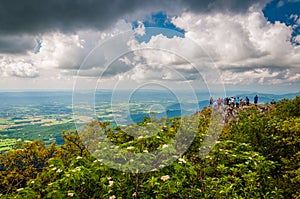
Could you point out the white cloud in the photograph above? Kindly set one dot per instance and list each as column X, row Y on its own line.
column 246, row 40
column 58, row 51
column 140, row 30
column 245, row 46
column 163, row 58
column 20, row 68
column 297, row 38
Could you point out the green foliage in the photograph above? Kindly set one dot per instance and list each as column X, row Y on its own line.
column 257, row 156
column 275, row 134
column 26, row 160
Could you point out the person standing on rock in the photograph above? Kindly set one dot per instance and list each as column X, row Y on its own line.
column 255, row 100
column 237, row 102
column 247, row 101
column 225, row 101
column 211, row 101
column 219, row 101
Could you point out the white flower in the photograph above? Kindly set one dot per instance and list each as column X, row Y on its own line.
column 109, row 178
column 157, row 137
column 20, row 189
column 165, row 146
column 54, row 169
column 76, row 169
column 32, row 182
column 140, row 137
column 164, row 178
column 220, row 149
column 130, row 147
column 146, row 151
column 67, row 175
column 134, row 194
column 58, row 171
column 70, row 194
column 181, row 160
column 110, row 183
column 131, row 160
column 100, row 160
column 112, row 197
column 78, row 158
column 50, row 184
column 154, row 170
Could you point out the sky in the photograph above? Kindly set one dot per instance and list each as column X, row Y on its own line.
column 178, row 44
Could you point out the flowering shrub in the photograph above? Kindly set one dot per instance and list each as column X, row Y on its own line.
column 257, row 156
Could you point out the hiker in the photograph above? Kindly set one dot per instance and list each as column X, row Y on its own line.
column 233, row 101
column 211, row 101
column 215, row 104
column 247, row 101
column 237, row 102
column 219, row 101
column 255, row 100
column 225, row 101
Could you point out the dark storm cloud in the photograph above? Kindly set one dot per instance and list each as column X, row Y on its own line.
column 222, row 5
column 16, row 44
column 38, row 16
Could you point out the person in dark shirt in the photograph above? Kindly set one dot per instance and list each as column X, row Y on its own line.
column 225, row 101
column 255, row 100
column 247, row 101
column 211, row 101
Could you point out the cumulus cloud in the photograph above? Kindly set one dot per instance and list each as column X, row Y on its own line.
column 245, row 47
column 244, row 41
column 62, row 51
column 140, row 30
column 19, row 68
column 235, row 34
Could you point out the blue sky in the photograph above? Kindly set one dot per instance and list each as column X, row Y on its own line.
column 249, row 45
column 282, row 11
column 159, row 20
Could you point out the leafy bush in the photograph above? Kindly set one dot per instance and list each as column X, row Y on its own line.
column 257, row 156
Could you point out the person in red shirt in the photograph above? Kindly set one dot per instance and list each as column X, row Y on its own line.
column 219, row 101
